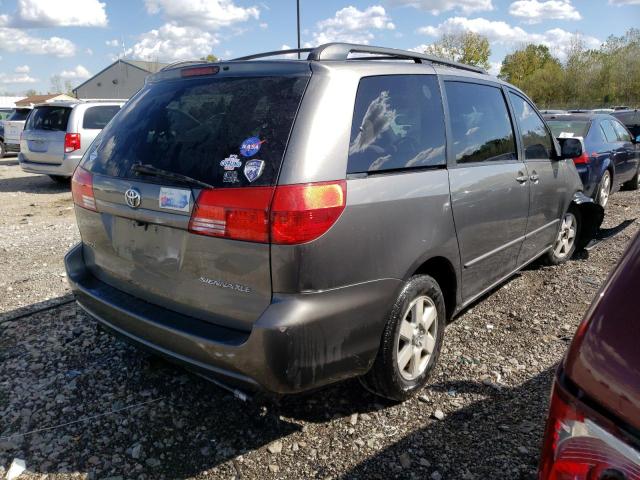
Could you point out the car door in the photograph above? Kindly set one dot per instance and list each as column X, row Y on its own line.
column 489, row 184
column 628, row 151
column 547, row 189
column 618, row 153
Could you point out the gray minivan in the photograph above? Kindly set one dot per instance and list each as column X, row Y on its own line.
column 57, row 134
column 285, row 224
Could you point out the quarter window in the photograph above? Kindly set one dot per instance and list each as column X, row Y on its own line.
column 535, row 137
column 97, row 117
column 480, row 123
column 623, row 135
column 609, row 132
column 398, row 123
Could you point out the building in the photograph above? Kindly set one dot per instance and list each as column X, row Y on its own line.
column 9, row 102
column 121, row 79
column 48, row 98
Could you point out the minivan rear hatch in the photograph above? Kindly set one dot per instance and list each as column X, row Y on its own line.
column 204, row 130
column 44, row 134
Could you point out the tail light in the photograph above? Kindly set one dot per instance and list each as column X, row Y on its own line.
column 82, row 189
column 576, row 448
column 287, row 214
column 71, row 142
column 582, row 159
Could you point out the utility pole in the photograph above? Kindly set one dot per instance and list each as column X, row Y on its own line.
column 298, row 19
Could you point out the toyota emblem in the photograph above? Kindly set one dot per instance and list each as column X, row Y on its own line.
column 132, row 197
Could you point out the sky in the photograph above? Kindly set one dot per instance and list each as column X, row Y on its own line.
column 75, row 39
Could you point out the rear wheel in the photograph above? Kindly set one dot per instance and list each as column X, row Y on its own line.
column 632, row 184
column 604, row 189
column 60, row 179
column 565, row 244
column 411, row 341
column 3, row 149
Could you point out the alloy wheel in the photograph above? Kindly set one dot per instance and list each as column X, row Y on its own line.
column 566, row 236
column 605, row 189
column 417, row 338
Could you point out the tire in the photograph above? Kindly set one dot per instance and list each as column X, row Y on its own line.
column 632, row 184
column 604, row 189
column 3, row 150
column 565, row 244
column 60, row 179
column 417, row 342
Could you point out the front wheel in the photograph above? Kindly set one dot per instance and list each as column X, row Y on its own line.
column 565, row 244
column 411, row 341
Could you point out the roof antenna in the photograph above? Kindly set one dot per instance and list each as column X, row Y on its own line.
column 298, row 20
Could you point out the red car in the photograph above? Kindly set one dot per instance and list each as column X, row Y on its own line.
column 593, row 429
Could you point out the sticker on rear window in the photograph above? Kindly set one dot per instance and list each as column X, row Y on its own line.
column 231, row 162
column 175, row 199
column 253, row 169
column 251, row 146
column 230, row 177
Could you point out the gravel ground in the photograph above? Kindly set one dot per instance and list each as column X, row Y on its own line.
column 76, row 403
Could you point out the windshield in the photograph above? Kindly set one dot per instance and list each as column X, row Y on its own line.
column 48, row 118
column 226, row 132
column 19, row 114
column 568, row 128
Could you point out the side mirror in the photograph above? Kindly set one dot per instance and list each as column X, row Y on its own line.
column 570, row 148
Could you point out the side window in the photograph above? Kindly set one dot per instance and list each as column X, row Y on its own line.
column 609, row 132
column 97, row 117
column 398, row 123
column 535, row 138
column 480, row 123
column 623, row 135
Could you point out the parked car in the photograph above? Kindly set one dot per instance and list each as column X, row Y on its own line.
column 12, row 128
column 602, row 110
column 5, row 112
column 631, row 120
column 286, row 224
column 544, row 112
column 610, row 157
column 593, row 428
column 57, row 134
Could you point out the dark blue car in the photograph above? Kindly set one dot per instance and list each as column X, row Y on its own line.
column 611, row 157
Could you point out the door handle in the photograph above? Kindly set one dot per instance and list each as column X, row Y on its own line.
column 522, row 179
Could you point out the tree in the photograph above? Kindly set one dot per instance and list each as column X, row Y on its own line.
column 522, row 63
column 56, row 84
column 465, row 47
column 209, row 58
column 30, row 93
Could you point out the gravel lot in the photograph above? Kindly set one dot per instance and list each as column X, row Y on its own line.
column 76, row 403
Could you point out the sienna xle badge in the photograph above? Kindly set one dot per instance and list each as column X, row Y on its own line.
column 285, row 224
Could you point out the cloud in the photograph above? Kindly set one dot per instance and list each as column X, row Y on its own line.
column 22, row 69
column 16, row 40
column 352, row 25
column 77, row 73
column 436, row 7
column 112, row 43
column 21, row 75
column 171, row 42
column 206, row 14
column 59, row 13
column 619, row 3
column 534, row 11
column 557, row 39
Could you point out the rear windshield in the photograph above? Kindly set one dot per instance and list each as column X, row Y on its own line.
column 19, row 115
column 227, row 132
column 568, row 128
column 48, row 118
column 96, row 118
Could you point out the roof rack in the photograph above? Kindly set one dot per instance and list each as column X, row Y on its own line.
column 341, row 51
column 181, row 63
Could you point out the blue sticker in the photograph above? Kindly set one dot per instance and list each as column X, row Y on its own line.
column 251, row 146
column 231, row 162
column 253, row 169
column 175, row 199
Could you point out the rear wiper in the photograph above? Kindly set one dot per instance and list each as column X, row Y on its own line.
column 147, row 169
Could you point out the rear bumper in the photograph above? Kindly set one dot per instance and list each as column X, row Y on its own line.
column 300, row 342
column 64, row 169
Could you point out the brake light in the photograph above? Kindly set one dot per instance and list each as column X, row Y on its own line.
column 301, row 213
column 71, row 142
column 576, row 448
column 582, row 159
column 82, row 189
column 238, row 213
column 287, row 214
column 197, row 71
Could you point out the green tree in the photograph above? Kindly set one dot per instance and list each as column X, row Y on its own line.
column 465, row 47
column 210, row 58
column 519, row 65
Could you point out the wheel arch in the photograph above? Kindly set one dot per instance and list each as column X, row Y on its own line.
column 443, row 272
column 591, row 215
